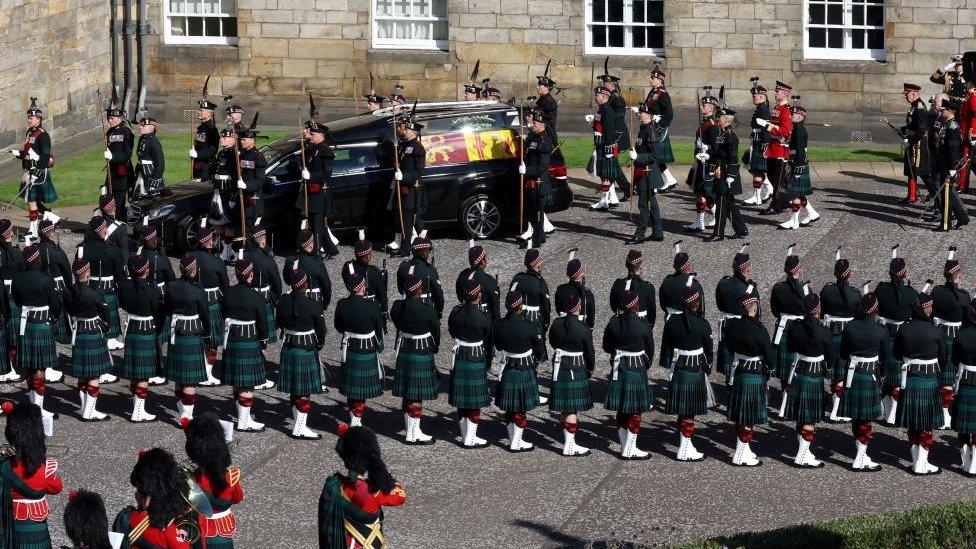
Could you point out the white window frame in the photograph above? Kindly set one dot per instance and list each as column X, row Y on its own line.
column 848, row 52
column 407, row 43
column 628, row 24
column 170, row 38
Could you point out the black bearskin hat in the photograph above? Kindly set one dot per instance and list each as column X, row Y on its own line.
column 361, row 454
column 25, row 432
column 205, row 445
column 85, row 520
column 158, row 476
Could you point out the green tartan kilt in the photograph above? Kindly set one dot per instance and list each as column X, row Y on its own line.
column 114, row 326
column 687, row 395
column 784, row 359
column 299, row 372
column 13, row 333
column 892, row 373
column 89, row 355
column 272, row 335
column 62, row 330
column 838, row 369
column 141, row 356
column 662, row 149
column 608, row 168
column 29, row 534
column 415, row 377
column 747, row 399
column 799, row 185
column 571, row 391
column 216, row 318
column 185, row 360
column 166, row 331
column 220, row 541
column 43, row 191
column 949, row 370
column 920, row 405
column 629, row 393
column 518, row 390
column 469, row 385
column 359, row 376
column 723, row 361
column 805, row 403
column 964, row 410
column 243, row 362
column 4, row 356
column 35, row 349
column 757, row 162
column 862, row 400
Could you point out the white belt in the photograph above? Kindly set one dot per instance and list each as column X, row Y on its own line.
column 914, row 362
column 963, row 368
column 940, row 322
column 223, row 177
column 25, row 310
column 346, row 336
column 74, row 326
column 458, row 343
column 736, row 359
column 641, row 314
column 507, row 355
column 830, row 319
column 557, row 362
column 146, row 162
column 621, row 354
column 103, row 278
column 28, row 501
column 671, row 312
column 798, row 358
column 60, row 282
column 888, row 322
column 582, row 318
column 781, row 326
column 299, row 334
column 136, row 318
column 174, row 320
column 228, row 322
column 212, row 290
column 414, row 337
column 676, row 353
column 531, row 307
column 721, row 323
column 219, row 515
column 852, row 365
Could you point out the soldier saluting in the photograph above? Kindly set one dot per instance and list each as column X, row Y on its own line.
column 951, row 78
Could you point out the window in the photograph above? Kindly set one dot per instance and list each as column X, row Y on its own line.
column 625, row 27
column 845, row 29
column 410, row 24
column 200, row 21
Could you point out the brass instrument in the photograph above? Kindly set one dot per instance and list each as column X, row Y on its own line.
column 197, row 504
column 53, row 450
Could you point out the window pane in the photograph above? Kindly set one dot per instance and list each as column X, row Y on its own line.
column 876, row 39
column 599, row 11
column 639, row 37
column 401, row 8
column 655, row 37
column 440, row 8
column 857, row 15
column 616, row 11
column 818, row 38
column 440, row 30
column 857, row 39
column 421, row 31
column 421, row 8
column 655, row 11
column 175, row 6
column 617, row 37
column 212, row 26
column 177, row 26
column 599, row 36
column 402, row 30
column 817, row 14
column 384, row 28
column 835, row 38
column 384, row 7
column 230, row 27
column 876, row 16
column 835, row 14
column 194, row 26
column 638, row 11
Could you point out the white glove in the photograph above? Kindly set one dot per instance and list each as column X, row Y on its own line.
column 730, row 180
column 107, row 154
column 701, row 157
column 635, row 109
column 949, row 67
column 241, row 185
column 656, row 118
column 589, row 118
column 193, row 153
column 952, row 173
column 904, row 141
column 33, row 155
column 762, row 122
column 398, row 175
column 522, row 169
column 633, row 154
column 15, row 153
column 306, row 174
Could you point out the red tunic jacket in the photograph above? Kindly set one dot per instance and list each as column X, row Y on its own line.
column 968, row 112
column 170, row 538
column 43, row 479
column 780, row 129
column 222, row 523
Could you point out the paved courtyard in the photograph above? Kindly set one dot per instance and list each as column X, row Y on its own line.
column 491, row 498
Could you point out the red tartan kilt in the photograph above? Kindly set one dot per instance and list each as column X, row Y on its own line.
column 531, row 184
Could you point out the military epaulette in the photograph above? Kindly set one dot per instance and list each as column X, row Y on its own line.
column 233, row 475
column 50, row 466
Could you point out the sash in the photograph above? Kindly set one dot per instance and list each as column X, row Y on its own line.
column 336, row 513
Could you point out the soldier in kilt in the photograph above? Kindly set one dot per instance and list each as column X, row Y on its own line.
column 728, row 299
column 644, row 290
column 839, row 303
column 964, row 403
column 418, row 340
column 920, row 347
column 216, row 476
column 470, row 327
column 630, row 343
column 34, row 296
column 361, row 324
column 160, row 274
column 895, row 299
column 948, row 313
column 36, row 160
column 671, row 292
column 319, row 283
column 607, row 139
column 576, row 285
column 798, row 184
column 863, row 349
column 267, row 279
column 647, row 178
column 786, row 302
column 535, row 293
column 55, row 264
column 376, row 279
column 11, row 262
column 813, row 353
column 89, row 349
column 190, row 339
column 212, row 276
column 422, row 264
column 748, row 343
column 699, row 179
column 107, row 270
column 245, row 339
column 142, row 302
column 490, row 295
column 26, row 478
column 572, row 366
column 658, row 103
column 521, row 344
column 759, row 136
column 303, row 325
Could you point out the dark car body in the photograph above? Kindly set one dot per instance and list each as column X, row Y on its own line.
column 471, row 178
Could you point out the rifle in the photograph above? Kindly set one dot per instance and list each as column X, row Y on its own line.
column 396, row 184
column 101, row 120
column 301, row 138
column 240, row 194
column 521, row 175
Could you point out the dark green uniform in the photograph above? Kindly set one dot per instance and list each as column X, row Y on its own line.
column 36, row 299
column 319, row 159
column 520, row 343
column 538, row 185
column 646, row 296
column 964, row 362
column 725, row 157
column 319, row 283
column 212, row 275
column 190, row 336
column 949, row 303
column 629, row 342
column 89, row 322
column 728, row 294
column 303, row 327
column 106, row 272
column 245, row 337
column 432, row 293
column 786, row 303
column 267, row 281
column 142, row 302
column 669, row 294
column 11, row 262
column 537, row 309
column 809, row 343
column 253, row 166
column 57, row 265
column 376, row 282
column 121, row 142
column 565, row 292
column 413, row 197
column 572, row 364
column 895, row 300
column 921, row 351
column 751, row 354
column 473, row 351
column 360, row 321
column 863, row 350
column 688, row 340
column 647, row 178
column 152, row 163
column 839, row 303
column 490, row 294
column 418, row 340
column 206, row 142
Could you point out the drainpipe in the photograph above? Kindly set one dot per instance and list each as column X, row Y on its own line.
column 143, row 30
column 128, row 31
column 115, row 34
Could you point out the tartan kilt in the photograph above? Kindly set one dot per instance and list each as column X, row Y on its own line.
column 608, row 168
column 30, row 534
column 947, row 376
column 518, row 390
column 359, row 376
column 892, row 373
column 687, row 395
column 43, row 191
column 571, row 391
column 662, row 149
column 35, row 349
column 299, row 372
column 4, row 355
column 272, row 335
column 747, row 400
column 220, row 541
column 920, row 405
column 415, row 377
column 757, row 162
column 89, row 355
column 62, row 330
column 141, row 358
column 629, row 394
column 216, row 318
column 243, row 362
column 805, row 403
column 784, row 358
column 964, row 410
column 838, row 369
column 185, row 359
column 469, row 385
column 114, row 326
column 14, row 323
column 723, row 360
column 800, row 185
column 862, row 400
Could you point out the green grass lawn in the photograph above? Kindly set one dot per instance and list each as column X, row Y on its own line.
column 78, row 178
